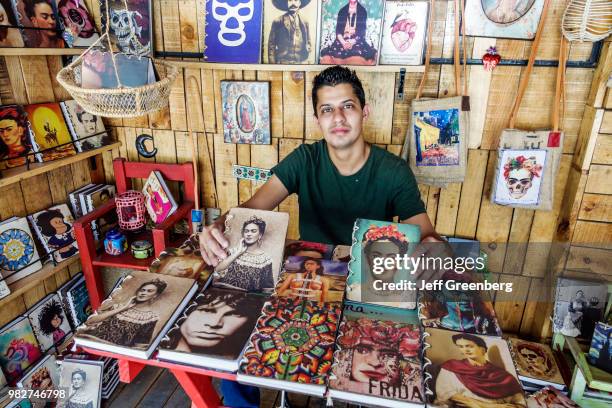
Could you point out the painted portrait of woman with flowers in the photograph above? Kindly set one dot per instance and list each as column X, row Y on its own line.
column 378, row 357
column 380, row 241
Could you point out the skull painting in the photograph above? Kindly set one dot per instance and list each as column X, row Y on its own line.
column 126, row 29
column 232, row 19
column 519, row 173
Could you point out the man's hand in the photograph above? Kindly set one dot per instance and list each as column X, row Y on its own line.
column 213, row 243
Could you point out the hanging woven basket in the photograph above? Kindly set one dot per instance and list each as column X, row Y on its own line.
column 120, row 102
column 587, row 20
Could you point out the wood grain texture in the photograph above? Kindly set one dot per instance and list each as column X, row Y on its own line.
column 293, row 104
column 596, row 207
column 599, row 180
column 602, row 154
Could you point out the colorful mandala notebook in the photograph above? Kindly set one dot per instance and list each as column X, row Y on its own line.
column 380, row 240
column 18, row 255
column 378, row 357
column 213, row 330
column 536, row 363
column 292, row 346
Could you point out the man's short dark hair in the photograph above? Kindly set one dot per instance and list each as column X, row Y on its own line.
column 469, row 337
column 337, row 75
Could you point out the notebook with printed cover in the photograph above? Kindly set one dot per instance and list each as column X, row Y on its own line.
column 83, row 379
column 78, row 300
column 132, row 320
column 75, row 202
column 62, row 292
column 159, row 201
column 256, row 240
column 369, row 281
column 97, row 198
column 378, row 357
column 536, row 363
column 469, row 369
column 49, row 131
column 317, row 280
column 49, row 321
column 309, row 249
column 184, row 262
column 54, row 229
column 213, row 330
column 600, row 352
column 292, row 346
column 18, row 349
column 550, row 397
column 79, row 26
column 458, row 310
column 87, row 130
column 18, row 254
column 44, row 375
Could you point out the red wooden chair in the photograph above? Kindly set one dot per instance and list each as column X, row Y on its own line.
column 124, row 172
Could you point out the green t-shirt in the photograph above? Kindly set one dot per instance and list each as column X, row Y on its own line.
column 330, row 202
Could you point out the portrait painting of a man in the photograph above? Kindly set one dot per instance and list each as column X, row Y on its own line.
column 289, row 29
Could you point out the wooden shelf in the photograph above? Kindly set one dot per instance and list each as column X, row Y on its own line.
column 290, row 67
column 30, row 281
column 17, row 174
column 27, row 52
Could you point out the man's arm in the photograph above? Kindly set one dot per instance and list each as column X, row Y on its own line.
column 213, row 243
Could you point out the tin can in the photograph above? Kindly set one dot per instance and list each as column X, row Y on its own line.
column 141, row 249
column 115, row 242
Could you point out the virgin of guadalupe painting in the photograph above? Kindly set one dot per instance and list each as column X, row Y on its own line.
column 350, row 31
column 503, row 18
column 246, row 112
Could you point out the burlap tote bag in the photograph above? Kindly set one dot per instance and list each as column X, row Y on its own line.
column 436, row 141
column 528, row 160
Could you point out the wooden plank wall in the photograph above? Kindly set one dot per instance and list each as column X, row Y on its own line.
column 462, row 209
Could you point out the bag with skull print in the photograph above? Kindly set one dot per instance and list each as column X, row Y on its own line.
column 528, row 161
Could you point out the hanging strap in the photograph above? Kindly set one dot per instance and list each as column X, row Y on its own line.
column 559, row 102
column 456, row 55
column 527, row 74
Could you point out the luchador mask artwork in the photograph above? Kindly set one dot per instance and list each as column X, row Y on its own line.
column 232, row 19
column 77, row 19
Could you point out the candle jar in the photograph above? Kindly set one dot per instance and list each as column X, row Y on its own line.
column 115, row 242
column 131, row 210
column 141, row 249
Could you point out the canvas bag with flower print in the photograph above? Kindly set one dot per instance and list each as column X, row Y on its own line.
column 436, row 141
column 550, row 141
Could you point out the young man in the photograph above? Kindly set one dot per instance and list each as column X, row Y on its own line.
column 337, row 179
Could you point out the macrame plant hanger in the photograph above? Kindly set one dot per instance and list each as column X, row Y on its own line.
column 122, row 101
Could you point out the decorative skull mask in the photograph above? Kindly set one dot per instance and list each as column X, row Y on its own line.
column 77, row 19
column 232, row 19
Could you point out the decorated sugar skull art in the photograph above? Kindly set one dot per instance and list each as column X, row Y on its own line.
column 403, row 31
column 76, row 18
column 232, row 19
column 127, row 30
column 519, row 173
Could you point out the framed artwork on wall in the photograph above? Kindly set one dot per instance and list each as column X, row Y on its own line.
column 246, row 112
column 516, row 19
